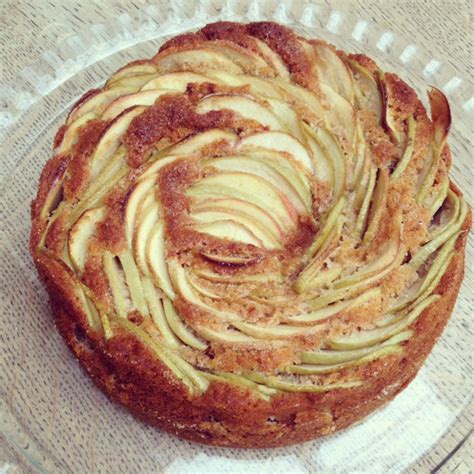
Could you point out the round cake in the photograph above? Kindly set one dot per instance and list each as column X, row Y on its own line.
column 251, row 239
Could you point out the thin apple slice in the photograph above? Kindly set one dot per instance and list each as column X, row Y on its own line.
column 364, row 208
column 367, row 91
column 132, row 277
column 179, row 328
column 229, row 336
column 281, row 331
column 143, row 188
column 228, row 229
column 133, row 82
column 111, row 140
column 388, row 115
column 381, row 265
column 118, row 286
column 440, row 116
column 156, row 260
column 143, row 232
column 331, row 220
column 180, row 281
column 245, row 209
column 133, row 70
column 291, row 169
column 250, row 188
column 97, row 103
column 334, row 153
column 377, row 206
column 155, row 166
column 373, row 336
column 309, row 369
column 146, row 98
column 176, row 81
column 322, row 164
column 249, row 165
column 409, row 147
column 248, row 61
column 222, row 214
column 272, row 277
column 333, row 71
column 230, row 259
column 80, row 234
column 70, row 136
column 287, row 115
column 196, row 60
column 331, row 357
column 273, row 59
column 197, row 142
column 243, row 106
column 200, row 288
column 439, row 196
column 278, row 141
column 338, row 308
column 280, row 384
column 155, row 306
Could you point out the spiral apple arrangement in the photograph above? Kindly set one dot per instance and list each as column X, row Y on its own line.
column 254, row 207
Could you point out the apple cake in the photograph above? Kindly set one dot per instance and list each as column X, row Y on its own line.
column 251, row 239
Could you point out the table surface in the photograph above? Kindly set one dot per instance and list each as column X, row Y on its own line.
column 442, row 27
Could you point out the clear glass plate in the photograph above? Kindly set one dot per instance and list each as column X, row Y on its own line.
column 52, row 416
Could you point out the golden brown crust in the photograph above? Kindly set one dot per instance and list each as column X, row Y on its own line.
column 127, row 369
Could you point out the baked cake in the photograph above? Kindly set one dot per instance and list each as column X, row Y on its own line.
column 251, row 239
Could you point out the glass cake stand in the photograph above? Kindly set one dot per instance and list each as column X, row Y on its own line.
column 52, row 417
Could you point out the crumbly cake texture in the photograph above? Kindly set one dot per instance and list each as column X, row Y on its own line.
column 251, row 239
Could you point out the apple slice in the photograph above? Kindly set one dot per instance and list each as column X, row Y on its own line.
column 366, row 88
column 133, row 70
column 228, row 229
column 379, row 353
column 333, row 152
column 142, row 189
column 70, row 136
column 331, row 357
column 333, row 71
column 273, row 59
column 143, row 231
column 281, row 331
column 249, row 165
column 388, row 116
column 155, row 306
column 200, row 288
column 287, row 115
column 409, row 147
column 156, row 260
column 118, row 286
column 321, row 163
column 140, row 98
column 245, row 209
column 132, row 277
column 229, row 336
column 156, row 165
column 243, row 106
column 179, row 328
column 278, row 141
column 132, row 82
column 291, row 169
column 177, row 81
column 338, row 308
column 257, row 233
column 440, row 116
column 364, row 208
column 180, row 281
column 80, row 234
column 201, row 140
column 272, row 277
column 373, row 336
column 250, row 188
column 111, row 140
column 196, row 60
column 248, row 61
column 379, row 201
column 97, row 103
